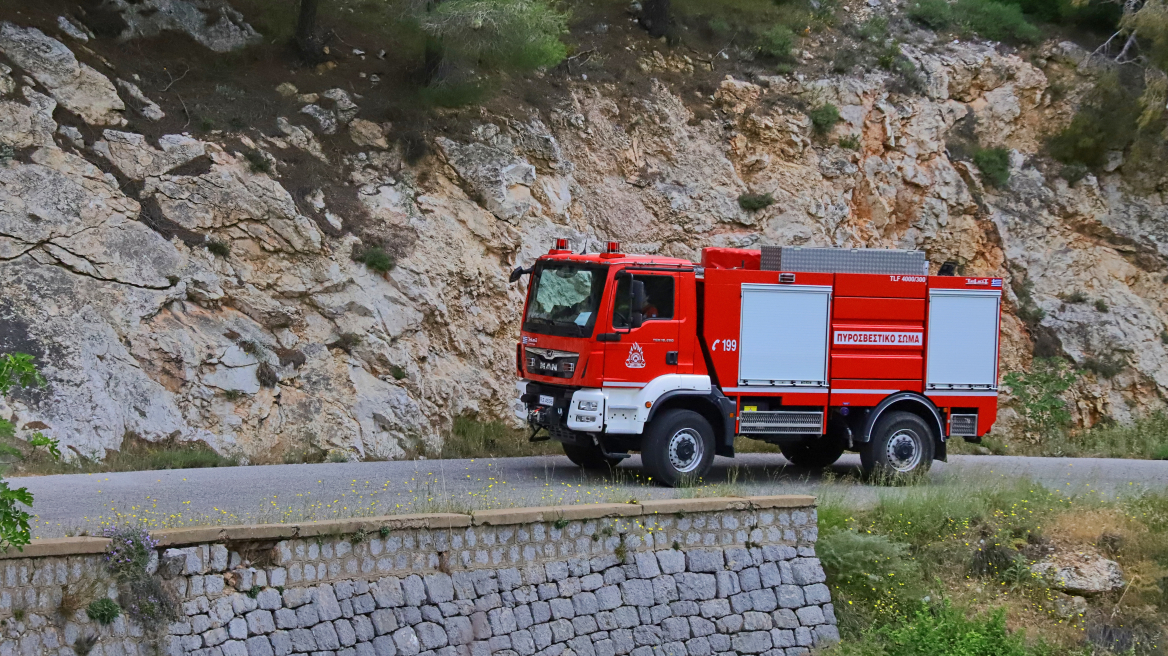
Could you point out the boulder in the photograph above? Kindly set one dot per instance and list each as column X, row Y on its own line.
column 1083, row 575
column 138, row 160
column 213, row 23
column 75, row 85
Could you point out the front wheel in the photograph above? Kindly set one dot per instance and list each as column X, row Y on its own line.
column 678, row 446
column 589, row 457
column 813, row 452
column 902, row 445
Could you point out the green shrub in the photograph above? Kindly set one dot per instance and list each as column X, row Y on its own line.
column 218, row 248
column 942, row 629
column 824, row 118
column 994, row 164
column 850, row 141
column 873, row 30
column 990, row 19
column 397, row 372
column 933, row 14
column 257, row 162
column 17, row 370
column 1106, row 121
column 1101, row 305
column 103, row 611
column 500, row 34
column 995, row 21
column 1105, row 367
column 1073, row 172
column 374, row 258
column 1039, row 393
column 754, row 202
column 777, row 42
column 1075, row 297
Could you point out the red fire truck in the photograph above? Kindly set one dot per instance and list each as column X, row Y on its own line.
column 816, row 350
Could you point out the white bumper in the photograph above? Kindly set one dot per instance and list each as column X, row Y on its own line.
column 624, row 410
column 519, row 407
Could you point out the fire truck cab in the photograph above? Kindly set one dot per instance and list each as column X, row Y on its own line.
column 815, row 350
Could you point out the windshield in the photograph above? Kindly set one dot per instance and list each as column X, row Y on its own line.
column 565, row 299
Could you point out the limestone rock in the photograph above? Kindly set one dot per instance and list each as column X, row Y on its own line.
column 213, row 23
column 501, row 179
column 146, row 107
column 1088, row 575
column 326, row 119
column 233, row 199
column 72, row 29
column 302, row 138
column 138, row 160
column 24, row 126
column 367, row 134
column 75, row 85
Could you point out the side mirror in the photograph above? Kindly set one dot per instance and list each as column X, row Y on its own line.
column 636, row 318
column 949, row 268
column 518, row 273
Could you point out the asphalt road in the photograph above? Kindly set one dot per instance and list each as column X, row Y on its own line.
column 66, row 505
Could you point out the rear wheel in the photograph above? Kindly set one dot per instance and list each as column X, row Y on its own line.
column 902, row 445
column 589, row 457
column 813, row 452
column 678, row 446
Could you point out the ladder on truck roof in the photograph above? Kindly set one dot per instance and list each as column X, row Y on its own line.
column 844, row 260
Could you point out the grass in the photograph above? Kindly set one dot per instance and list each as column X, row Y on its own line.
column 136, row 454
column 471, row 438
column 989, row 19
column 850, row 142
column 944, row 571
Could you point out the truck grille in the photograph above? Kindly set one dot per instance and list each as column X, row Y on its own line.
column 782, row 422
column 963, row 425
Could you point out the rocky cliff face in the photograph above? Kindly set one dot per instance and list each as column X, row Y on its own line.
column 274, row 339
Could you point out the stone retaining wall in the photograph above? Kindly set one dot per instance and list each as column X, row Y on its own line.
column 698, row 577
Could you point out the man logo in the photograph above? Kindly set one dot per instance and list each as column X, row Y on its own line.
column 636, row 358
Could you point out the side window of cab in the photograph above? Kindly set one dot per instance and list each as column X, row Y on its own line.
column 659, row 296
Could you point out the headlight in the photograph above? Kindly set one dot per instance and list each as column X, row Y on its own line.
column 584, row 419
column 587, row 406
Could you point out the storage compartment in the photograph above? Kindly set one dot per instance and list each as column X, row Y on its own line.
column 963, row 339
column 963, row 425
column 783, row 335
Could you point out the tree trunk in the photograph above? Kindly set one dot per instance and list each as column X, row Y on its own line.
column 308, row 40
column 655, row 17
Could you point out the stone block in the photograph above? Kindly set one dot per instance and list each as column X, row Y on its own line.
column 825, row 634
column 259, row 646
column 791, row 596
column 432, row 636
column 705, row 560
column 696, row 587
column 675, row 628
column 783, row 638
column 414, row 590
column 714, row 608
column 805, row 571
column 439, row 587
column 728, row 584
column 810, row 615
column 384, row 646
column 384, row 621
column 260, row 622
column 406, row 641
column 754, row 642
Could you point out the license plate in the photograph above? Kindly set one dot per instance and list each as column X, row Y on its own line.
column 544, row 399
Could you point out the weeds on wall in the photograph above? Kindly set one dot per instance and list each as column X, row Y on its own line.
column 127, row 559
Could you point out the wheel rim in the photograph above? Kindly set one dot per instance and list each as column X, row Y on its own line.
column 904, row 450
column 685, row 450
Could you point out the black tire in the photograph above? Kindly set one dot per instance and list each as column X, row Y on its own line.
column 589, row 457
column 902, row 445
column 814, row 452
column 678, row 446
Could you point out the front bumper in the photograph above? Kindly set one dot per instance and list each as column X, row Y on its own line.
column 553, row 407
